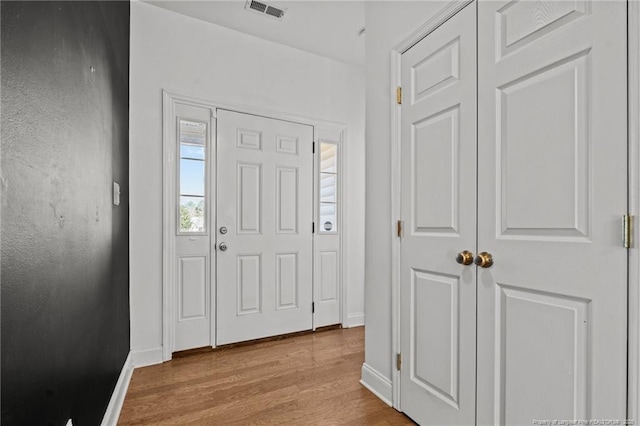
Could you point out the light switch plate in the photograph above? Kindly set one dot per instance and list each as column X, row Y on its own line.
column 116, row 193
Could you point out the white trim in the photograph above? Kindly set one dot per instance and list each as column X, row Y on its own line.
column 448, row 11
column 168, row 218
column 146, row 357
column 343, row 184
column 169, row 100
column 248, row 109
column 633, row 356
column 112, row 413
column 379, row 385
column 355, row 320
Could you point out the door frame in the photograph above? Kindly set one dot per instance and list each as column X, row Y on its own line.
column 169, row 190
column 633, row 112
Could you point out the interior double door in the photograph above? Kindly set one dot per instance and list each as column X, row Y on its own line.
column 513, row 183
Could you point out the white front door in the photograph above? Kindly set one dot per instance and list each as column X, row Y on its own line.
column 552, row 187
column 264, row 227
column 438, row 155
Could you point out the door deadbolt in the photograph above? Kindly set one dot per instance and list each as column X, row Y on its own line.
column 223, row 230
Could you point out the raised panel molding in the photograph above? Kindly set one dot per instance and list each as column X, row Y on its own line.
column 287, row 144
column 434, row 325
column 286, row 280
column 436, row 71
column 249, row 284
column 328, row 276
column 534, row 328
column 249, row 139
column 249, row 198
column 192, row 287
column 286, row 200
column 522, row 22
column 543, row 153
column 434, row 147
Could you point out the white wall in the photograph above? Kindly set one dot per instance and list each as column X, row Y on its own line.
column 387, row 24
column 194, row 58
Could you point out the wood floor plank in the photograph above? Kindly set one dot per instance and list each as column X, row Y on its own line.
column 310, row 379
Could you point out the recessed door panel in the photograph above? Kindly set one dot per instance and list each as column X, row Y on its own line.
column 249, row 283
column 435, row 334
column 522, row 22
column 249, row 198
column 543, row 138
column 287, row 199
column 328, row 276
column 192, row 287
column 287, row 280
column 435, row 159
column 437, row 71
column 547, row 334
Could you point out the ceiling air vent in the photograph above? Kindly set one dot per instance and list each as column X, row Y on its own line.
column 265, row 9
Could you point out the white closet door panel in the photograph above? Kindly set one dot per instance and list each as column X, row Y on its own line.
column 552, row 187
column 438, row 155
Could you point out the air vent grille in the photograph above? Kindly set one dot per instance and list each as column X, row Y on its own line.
column 265, row 9
column 274, row 11
column 256, row 5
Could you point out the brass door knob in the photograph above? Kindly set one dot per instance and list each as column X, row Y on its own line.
column 484, row 260
column 465, row 257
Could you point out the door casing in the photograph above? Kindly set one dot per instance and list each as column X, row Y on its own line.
column 633, row 112
column 169, row 190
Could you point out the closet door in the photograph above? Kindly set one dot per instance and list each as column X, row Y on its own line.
column 438, row 154
column 552, row 188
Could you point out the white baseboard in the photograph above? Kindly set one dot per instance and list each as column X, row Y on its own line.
column 355, row 320
column 119, row 392
column 147, row 357
column 379, row 385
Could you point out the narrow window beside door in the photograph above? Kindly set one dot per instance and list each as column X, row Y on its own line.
column 328, row 188
column 192, row 177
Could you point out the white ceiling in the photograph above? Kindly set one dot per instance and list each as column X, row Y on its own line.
column 326, row 28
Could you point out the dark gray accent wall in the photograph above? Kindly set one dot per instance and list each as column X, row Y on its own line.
column 64, row 255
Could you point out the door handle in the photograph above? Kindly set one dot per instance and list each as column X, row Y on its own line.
column 465, row 257
column 223, row 247
column 484, row 260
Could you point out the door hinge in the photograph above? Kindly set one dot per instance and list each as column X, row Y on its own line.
column 398, row 361
column 313, row 307
column 399, row 229
column 313, row 227
column 627, row 230
column 399, row 95
column 313, row 147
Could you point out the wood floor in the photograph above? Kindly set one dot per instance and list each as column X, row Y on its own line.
column 310, row 379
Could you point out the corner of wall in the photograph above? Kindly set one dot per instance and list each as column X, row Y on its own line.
column 146, row 357
column 355, row 320
column 379, row 385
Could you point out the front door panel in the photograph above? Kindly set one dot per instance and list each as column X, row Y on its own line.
column 265, row 203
